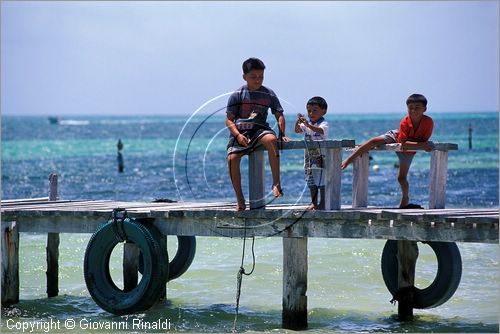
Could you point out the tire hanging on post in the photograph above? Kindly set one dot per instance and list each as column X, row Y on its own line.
column 445, row 283
column 96, row 266
column 186, row 250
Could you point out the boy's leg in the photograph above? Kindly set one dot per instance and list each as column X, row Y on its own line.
column 321, row 205
column 269, row 142
column 363, row 148
column 404, row 167
column 314, row 198
column 233, row 164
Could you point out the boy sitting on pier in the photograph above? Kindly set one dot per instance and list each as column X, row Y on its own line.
column 413, row 133
column 314, row 129
column 246, row 119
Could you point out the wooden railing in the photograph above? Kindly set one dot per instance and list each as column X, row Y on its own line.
column 437, row 175
column 333, row 172
column 333, row 156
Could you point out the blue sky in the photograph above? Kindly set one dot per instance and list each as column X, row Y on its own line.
column 159, row 58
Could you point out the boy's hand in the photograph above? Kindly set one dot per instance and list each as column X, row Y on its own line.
column 284, row 139
column 242, row 140
column 301, row 119
column 428, row 146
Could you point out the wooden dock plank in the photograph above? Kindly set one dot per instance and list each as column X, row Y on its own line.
column 56, row 204
column 24, row 200
column 434, row 215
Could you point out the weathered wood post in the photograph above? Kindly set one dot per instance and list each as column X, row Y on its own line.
column 333, row 171
column 10, row 263
column 470, row 136
column 163, row 294
column 119, row 157
column 256, row 179
column 407, row 259
column 52, row 249
column 437, row 175
column 294, row 314
column 360, row 170
column 130, row 265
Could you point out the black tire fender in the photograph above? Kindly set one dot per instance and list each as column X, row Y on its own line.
column 97, row 275
column 186, row 250
column 183, row 258
column 445, row 283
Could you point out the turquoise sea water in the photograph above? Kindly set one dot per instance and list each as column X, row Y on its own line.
column 183, row 158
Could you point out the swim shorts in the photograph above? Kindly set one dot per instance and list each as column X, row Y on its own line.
column 391, row 137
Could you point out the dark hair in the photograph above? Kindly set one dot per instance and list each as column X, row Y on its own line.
column 253, row 64
column 416, row 98
column 317, row 101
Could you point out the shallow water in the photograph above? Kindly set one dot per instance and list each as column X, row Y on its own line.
column 167, row 158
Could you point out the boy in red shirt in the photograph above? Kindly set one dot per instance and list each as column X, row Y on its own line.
column 413, row 133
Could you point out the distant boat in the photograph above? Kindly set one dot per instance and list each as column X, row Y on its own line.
column 53, row 120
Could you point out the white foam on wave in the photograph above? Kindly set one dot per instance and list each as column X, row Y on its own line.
column 74, row 122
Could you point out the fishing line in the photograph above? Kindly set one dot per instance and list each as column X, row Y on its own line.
column 241, row 272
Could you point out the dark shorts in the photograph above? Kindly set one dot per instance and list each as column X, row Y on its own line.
column 253, row 135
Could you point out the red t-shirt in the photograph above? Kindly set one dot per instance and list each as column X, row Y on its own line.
column 408, row 133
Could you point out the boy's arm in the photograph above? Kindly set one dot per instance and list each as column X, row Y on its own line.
column 314, row 127
column 241, row 139
column 281, row 126
column 413, row 145
column 297, row 126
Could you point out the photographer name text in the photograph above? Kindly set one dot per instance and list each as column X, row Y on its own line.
column 85, row 324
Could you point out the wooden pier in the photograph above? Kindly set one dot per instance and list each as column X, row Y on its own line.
column 220, row 219
column 293, row 223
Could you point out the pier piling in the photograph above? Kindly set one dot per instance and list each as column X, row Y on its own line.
column 294, row 314
column 52, row 249
column 10, row 263
column 407, row 260
column 470, row 137
column 130, row 265
column 52, row 272
column 119, row 156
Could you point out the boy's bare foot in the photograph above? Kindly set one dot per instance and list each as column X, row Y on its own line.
column 277, row 192
column 404, row 202
column 311, row 207
column 241, row 207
